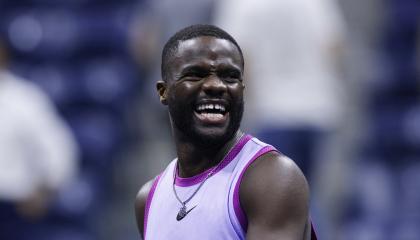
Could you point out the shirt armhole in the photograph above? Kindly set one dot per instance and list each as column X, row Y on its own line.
column 148, row 202
column 239, row 212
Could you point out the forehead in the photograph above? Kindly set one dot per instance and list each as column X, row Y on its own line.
column 207, row 50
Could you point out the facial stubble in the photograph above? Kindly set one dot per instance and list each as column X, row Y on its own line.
column 182, row 120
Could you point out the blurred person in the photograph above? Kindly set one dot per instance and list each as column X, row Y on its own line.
column 295, row 47
column 38, row 154
column 224, row 184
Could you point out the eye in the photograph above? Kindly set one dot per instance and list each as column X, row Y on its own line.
column 194, row 75
column 231, row 76
column 190, row 76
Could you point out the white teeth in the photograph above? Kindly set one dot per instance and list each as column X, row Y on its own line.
column 212, row 116
column 211, row 106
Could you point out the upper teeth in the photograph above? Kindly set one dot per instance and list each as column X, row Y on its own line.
column 211, row 106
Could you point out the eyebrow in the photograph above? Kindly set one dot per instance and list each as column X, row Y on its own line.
column 229, row 68
column 221, row 68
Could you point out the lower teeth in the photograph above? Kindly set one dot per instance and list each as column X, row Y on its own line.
column 212, row 115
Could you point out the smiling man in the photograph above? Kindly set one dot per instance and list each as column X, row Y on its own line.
column 224, row 184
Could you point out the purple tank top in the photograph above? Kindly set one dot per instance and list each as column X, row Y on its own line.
column 215, row 211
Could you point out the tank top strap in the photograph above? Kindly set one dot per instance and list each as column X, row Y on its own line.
column 156, row 181
column 252, row 151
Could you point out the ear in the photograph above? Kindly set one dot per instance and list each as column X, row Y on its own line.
column 162, row 90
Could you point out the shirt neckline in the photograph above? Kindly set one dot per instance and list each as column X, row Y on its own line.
column 190, row 181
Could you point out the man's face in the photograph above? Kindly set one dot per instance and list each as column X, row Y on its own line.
column 205, row 90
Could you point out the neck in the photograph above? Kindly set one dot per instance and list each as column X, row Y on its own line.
column 194, row 159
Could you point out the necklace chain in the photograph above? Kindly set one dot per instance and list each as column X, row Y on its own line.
column 212, row 171
column 196, row 190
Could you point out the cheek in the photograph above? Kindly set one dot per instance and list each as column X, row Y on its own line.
column 182, row 93
column 237, row 91
column 185, row 89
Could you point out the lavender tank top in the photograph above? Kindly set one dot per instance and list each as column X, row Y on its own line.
column 217, row 213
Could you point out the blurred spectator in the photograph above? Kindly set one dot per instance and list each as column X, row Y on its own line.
column 296, row 99
column 38, row 155
column 296, row 95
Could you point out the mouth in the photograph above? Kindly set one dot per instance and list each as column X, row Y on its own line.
column 211, row 113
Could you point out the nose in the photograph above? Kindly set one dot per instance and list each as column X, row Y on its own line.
column 213, row 85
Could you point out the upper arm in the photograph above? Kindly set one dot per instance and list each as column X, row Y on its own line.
column 275, row 197
column 140, row 204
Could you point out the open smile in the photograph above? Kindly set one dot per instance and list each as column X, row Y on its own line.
column 211, row 113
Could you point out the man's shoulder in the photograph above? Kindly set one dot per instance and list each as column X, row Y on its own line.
column 144, row 191
column 140, row 203
column 274, row 179
column 274, row 195
column 277, row 170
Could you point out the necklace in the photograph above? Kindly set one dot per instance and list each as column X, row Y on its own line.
column 183, row 210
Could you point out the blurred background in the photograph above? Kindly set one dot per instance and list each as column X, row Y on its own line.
column 333, row 84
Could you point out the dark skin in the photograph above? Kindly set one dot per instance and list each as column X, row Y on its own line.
column 274, row 193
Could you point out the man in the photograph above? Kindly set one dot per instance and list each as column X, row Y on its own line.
column 224, row 184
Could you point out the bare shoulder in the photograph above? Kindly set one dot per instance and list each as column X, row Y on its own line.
column 274, row 170
column 275, row 197
column 140, row 204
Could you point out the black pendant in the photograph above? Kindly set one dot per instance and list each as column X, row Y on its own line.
column 182, row 213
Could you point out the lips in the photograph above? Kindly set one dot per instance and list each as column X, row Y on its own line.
column 211, row 112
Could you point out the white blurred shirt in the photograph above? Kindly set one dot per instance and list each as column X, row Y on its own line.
column 289, row 62
column 36, row 147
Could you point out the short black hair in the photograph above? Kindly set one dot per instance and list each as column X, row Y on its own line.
column 191, row 32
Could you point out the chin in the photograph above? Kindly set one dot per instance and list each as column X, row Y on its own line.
column 204, row 133
column 213, row 136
